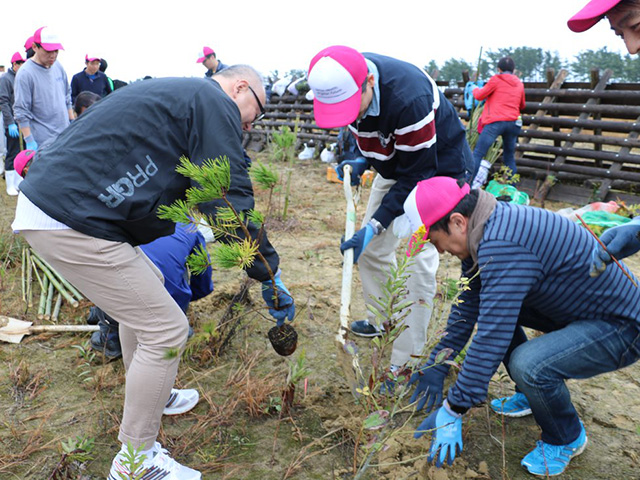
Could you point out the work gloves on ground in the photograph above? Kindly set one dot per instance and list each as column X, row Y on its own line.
column 469, row 101
column 358, row 166
column 621, row 242
column 286, row 308
column 13, row 130
column 361, row 239
column 430, row 383
column 446, row 434
column 31, row 143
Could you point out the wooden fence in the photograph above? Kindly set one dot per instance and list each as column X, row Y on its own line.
column 583, row 134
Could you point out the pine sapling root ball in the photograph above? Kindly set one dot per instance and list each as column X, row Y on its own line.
column 284, row 339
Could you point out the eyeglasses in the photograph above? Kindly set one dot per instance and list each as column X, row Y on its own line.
column 262, row 113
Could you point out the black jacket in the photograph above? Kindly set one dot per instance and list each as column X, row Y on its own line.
column 110, row 170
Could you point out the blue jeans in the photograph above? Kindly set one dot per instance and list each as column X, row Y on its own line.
column 582, row 349
column 509, row 132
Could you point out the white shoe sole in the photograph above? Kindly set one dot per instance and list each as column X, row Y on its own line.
column 521, row 413
column 578, row 452
column 184, row 408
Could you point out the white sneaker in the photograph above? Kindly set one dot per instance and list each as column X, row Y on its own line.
column 159, row 467
column 328, row 154
column 181, row 401
column 307, row 153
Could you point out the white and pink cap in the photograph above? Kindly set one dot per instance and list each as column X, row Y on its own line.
column 17, row 57
column 591, row 14
column 91, row 58
column 29, row 43
column 47, row 39
column 204, row 53
column 336, row 76
column 430, row 201
column 21, row 160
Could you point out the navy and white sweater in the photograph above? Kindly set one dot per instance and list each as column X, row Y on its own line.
column 417, row 135
column 530, row 260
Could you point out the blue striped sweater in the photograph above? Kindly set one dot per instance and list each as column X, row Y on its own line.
column 535, row 260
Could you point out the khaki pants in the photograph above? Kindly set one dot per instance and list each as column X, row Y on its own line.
column 374, row 266
column 123, row 282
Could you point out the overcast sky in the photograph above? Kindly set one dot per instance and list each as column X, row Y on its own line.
column 141, row 38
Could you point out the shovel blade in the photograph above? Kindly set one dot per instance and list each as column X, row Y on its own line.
column 13, row 330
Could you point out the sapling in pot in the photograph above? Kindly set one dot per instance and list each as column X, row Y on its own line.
column 235, row 247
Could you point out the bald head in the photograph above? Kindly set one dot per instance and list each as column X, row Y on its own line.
column 244, row 85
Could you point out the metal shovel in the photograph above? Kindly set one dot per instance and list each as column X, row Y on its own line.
column 12, row 330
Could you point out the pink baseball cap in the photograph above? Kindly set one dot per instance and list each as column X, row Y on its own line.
column 89, row 58
column 430, row 201
column 336, row 75
column 17, row 57
column 29, row 43
column 47, row 39
column 22, row 159
column 590, row 14
column 204, row 53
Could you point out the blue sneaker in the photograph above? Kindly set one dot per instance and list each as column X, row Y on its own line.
column 363, row 328
column 547, row 459
column 516, row 405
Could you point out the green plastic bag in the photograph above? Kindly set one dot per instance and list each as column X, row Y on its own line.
column 604, row 219
column 500, row 189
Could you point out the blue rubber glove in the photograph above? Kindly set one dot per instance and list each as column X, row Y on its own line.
column 446, row 436
column 358, row 166
column 621, row 241
column 286, row 306
column 360, row 240
column 31, row 143
column 429, row 388
column 13, row 130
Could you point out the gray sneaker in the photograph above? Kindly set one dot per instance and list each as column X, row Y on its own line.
column 363, row 328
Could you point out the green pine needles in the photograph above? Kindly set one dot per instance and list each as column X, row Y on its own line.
column 236, row 248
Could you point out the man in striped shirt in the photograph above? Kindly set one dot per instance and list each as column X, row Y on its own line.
column 528, row 268
column 407, row 130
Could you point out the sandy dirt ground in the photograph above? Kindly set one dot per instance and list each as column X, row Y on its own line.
column 53, row 389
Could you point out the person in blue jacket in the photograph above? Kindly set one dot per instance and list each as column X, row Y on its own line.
column 91, row 79
column 623, row 16
column 169, row 254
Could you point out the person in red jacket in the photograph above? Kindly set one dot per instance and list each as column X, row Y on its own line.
column 504, row 95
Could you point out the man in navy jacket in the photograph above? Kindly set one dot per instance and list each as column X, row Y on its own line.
column 408, row 131
column 91, row 79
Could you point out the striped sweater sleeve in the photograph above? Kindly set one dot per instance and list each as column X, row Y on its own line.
column 461, row 321
column 508, row 271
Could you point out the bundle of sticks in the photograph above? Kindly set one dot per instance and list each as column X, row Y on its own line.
column 36, row 271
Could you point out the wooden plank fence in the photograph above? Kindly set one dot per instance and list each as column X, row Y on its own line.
column 585, row 134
